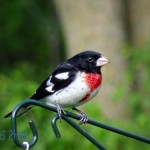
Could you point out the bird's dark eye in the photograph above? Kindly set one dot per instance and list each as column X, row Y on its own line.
column 90, row 59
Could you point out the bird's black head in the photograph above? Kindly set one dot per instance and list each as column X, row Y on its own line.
column 89, row 61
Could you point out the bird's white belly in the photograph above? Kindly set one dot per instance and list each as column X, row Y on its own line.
column 71, row 95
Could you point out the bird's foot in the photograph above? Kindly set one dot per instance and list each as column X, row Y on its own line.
column 60, row 111
column 84, row 118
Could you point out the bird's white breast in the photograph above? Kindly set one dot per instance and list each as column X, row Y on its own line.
column 71, row 95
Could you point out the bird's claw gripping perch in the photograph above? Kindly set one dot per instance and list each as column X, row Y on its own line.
column 60, row 111
column 83, row 119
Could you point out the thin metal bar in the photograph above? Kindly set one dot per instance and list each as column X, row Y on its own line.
column 75, row 126
column 119, row 131
column 83, row 132
column 66, row 118
column 113, row 129
column 54, row 126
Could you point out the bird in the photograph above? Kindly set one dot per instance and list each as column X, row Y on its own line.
column 73, row 83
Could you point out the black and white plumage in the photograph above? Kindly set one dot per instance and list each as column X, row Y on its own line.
column 74, row 82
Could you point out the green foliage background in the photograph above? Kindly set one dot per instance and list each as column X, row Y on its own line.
column 31, row 45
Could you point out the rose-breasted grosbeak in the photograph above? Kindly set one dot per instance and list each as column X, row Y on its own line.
column 73, row 83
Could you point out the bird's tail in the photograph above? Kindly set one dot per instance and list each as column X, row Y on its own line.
column 21, row 112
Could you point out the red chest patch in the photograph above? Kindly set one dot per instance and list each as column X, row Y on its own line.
column 93, row 80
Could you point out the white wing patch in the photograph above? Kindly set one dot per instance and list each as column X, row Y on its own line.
column 49, row 88
column 50, row 85
column 62, row 76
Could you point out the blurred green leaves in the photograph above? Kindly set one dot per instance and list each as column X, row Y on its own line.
column 139, row 75
column 30, row 30
column 31, row 45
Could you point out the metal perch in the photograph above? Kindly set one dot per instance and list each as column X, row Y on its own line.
column 70, row 122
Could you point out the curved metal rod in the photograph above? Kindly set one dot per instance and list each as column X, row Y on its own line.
column 54, row 126
column 75, row 126
column 14, row 129
column 31, row 123
column 66, row 118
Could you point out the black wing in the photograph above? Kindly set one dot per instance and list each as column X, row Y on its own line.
column 54, row 82
column 41, row 92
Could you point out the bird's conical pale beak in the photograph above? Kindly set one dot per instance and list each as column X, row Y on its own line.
column 102, row 61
